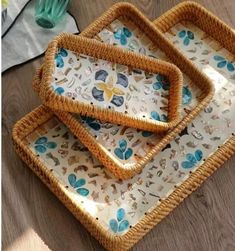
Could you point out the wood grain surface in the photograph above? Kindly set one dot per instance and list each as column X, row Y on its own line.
column 33, row 218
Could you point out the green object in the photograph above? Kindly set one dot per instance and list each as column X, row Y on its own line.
column 49, row 12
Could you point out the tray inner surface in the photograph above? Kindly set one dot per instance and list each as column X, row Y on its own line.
column 109, row 85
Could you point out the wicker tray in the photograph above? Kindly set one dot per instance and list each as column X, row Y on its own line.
column 99, row 80
column 119, row 213
column 125, row 151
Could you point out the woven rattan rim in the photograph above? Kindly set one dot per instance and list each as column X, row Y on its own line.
column 125, row 242
column 117, row 55
column 121, row 9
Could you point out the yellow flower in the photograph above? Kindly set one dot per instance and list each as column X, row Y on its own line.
column 109, row 89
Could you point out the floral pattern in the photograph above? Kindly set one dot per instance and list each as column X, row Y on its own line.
column 222, row 62
column 78, row 184
column 108, row 92
column 42, row 144
column 155, row 115
column 122, row 152
column 186, row 35
column 119, row 225
column 192, row 159
column 162, row 82
column 59, row 57
column 122, row 34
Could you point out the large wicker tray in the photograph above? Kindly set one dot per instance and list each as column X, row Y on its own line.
column 125, row 151
column 119, row 213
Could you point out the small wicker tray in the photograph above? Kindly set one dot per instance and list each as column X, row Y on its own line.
column 119, row 213
column 95, row 79
column 125, row 151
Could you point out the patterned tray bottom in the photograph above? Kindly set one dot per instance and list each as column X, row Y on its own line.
column 118, row 205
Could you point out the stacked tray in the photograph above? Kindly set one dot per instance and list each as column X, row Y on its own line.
column 164, row 167
column 123, row 150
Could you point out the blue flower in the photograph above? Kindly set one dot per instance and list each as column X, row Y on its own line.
column 59, row 57
column 59, row 90
column 162, row 82
column 155, row 115
column 222, row 62
column 77, row 184
column 187, row 36
column 119, row 225
column 107, row 91
column 192, row 159
column 93, row 123
column 122, row 152
column 187, row 95
column 122, row 34
column 41, row 145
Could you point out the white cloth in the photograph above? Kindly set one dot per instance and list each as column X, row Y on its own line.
column 26, row 39
column 14, row 7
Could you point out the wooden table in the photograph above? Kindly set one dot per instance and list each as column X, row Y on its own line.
column 34, row 219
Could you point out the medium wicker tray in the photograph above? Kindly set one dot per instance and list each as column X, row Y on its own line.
column 95, row 79
column 119, row 213
column 102, row 105
column 125, row 151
